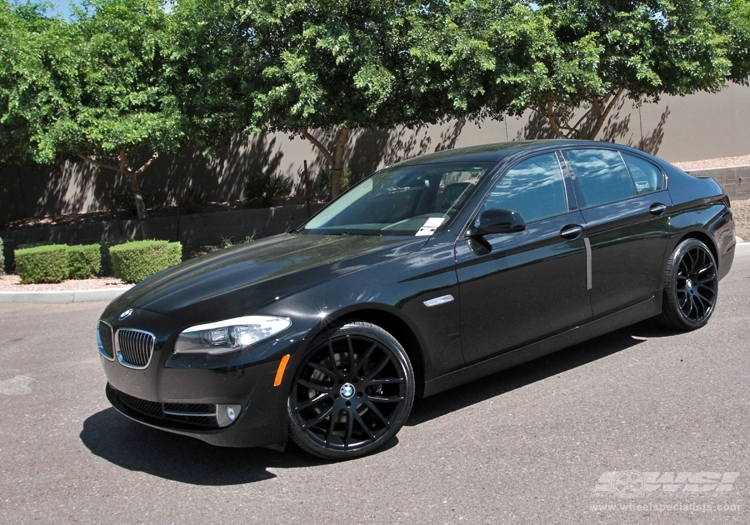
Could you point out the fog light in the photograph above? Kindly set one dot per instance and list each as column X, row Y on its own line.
column 226, row 414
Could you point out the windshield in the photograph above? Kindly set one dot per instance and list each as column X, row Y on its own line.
column 408, row 200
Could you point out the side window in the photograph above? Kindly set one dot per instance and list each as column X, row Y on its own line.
column 646, row 176
column 534, row 187
column 602, row 175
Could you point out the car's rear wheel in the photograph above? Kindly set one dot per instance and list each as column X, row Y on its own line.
column 352, row 393
column 691, row 286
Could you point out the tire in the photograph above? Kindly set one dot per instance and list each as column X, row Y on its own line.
column 691, row 286
column 351, row 394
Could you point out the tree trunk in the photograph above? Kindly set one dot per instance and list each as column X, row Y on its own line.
column 179, row 205
column 601, row 116
column 140, row 205
column 552, row 119
column 335, row 159
column 338, row 163
column 132, row 176
column 575, row 131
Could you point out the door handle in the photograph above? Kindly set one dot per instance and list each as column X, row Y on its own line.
column 657, row 209
column 571, row 231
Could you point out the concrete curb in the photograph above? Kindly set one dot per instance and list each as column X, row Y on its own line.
column 61, row 297
column 87, row 296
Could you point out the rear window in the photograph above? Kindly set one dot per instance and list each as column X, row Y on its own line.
column 602, row 175
column 646, row 176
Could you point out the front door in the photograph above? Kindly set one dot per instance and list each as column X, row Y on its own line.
column 521, row 287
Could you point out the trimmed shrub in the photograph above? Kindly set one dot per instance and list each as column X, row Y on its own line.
column 2, row 258
column 43, row 264
column 35, row 245
column 84, row 261
column 134, row 261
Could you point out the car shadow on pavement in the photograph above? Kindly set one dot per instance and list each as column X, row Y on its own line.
column 533, row 371
column 136, row 447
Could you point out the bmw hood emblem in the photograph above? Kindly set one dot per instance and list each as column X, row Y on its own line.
column 125, row 314
column 347, row 390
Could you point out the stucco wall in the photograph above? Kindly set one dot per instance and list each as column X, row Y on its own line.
column 677, row 129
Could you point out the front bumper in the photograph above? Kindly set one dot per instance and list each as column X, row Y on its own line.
column 164, row 393
column 262, row 420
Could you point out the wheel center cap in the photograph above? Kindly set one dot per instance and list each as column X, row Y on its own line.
column 347, row 390
column 689, row 283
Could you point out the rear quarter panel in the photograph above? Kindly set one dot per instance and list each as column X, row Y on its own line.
column 699, row 210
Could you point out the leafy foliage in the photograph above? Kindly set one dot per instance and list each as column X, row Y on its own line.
column 127, row 114
column 2, row 257
column 228, row 242
column 38, row 80
column 127, row 80
column 43, row 264
column 84, row 261
column 732, row 20
column 94, row 89
column 263, row 188
column 135, row 261
column 608, row 50
column 211, row 70
column 327, row 64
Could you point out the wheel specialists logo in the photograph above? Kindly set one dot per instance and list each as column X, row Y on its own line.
column 633, row 483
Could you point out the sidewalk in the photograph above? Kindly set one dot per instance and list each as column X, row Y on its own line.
column 62, row 297
column 86, row 296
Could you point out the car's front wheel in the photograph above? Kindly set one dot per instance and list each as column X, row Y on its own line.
column 352, row 393
column 691, row 286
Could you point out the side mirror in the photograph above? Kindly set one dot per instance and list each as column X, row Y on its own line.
column 497, row 221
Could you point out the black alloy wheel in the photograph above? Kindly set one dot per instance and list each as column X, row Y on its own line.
column 352, row 393
column 691, row 286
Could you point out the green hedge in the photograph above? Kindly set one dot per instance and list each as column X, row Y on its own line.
column 84, row 261
column 2, row 258
column 43, row 264
column 134, row 261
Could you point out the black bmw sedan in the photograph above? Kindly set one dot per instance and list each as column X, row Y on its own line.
column 426, row 275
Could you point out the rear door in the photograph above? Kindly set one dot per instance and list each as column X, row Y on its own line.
column 625, row 206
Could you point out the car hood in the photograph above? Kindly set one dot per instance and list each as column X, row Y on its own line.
column 244, row 278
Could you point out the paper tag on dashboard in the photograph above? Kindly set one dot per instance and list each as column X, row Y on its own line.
column 430, row 226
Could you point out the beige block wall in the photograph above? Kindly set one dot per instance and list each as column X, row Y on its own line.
column 688, row 128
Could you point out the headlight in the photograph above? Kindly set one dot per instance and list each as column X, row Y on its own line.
column 229, row 336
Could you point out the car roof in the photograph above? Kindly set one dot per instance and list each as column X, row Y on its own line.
column 492, row 152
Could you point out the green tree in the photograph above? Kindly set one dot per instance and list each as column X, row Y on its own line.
column 732, row 18
column 211, row 70
column 572, row 60
column 94, row 89
column 484, row 58
column 127, row 114
column 326, row 65
column 38, row 78
column 641, row 50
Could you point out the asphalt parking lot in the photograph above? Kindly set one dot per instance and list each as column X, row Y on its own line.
column 641, row 425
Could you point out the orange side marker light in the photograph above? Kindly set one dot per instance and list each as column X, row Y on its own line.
column 280, row 370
